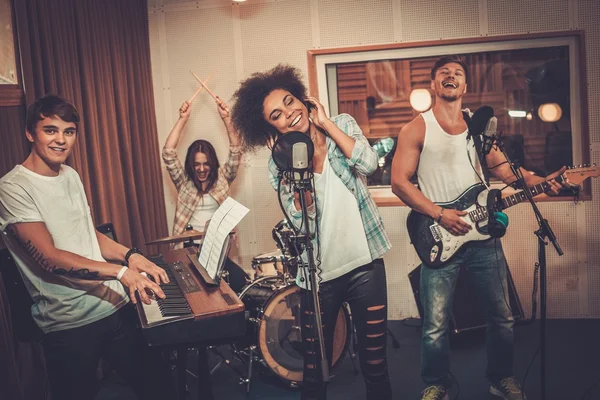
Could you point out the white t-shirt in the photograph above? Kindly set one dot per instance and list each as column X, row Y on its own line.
column 60, row 302
column 204, row 211
column 342, row 238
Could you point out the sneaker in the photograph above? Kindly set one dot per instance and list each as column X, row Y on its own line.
column 434, row 392
column 508, row 389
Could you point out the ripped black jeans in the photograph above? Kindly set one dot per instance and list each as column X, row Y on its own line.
column 365, row 290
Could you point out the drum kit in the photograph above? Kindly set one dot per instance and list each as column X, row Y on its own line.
column 272, row 299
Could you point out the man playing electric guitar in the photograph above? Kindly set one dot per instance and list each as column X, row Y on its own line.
column 435, row 145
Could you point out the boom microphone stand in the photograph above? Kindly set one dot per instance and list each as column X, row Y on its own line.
column 544, row 232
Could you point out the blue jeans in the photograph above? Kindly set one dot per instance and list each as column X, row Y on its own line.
column 486, row 263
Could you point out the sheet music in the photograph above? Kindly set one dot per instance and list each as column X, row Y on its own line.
column 227, row 216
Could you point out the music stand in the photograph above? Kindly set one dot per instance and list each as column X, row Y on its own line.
column 216, row 279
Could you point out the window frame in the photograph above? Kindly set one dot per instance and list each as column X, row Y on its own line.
column 319, row 59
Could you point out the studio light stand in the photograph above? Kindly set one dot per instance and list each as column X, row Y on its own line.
column 542, row 233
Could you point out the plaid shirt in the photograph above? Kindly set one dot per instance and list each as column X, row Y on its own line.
column 353, row 172
column 187, row 193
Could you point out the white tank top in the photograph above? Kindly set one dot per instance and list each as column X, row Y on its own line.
column 445, row 170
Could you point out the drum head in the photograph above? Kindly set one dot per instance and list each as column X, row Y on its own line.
column 265, row 257
column 280, row 340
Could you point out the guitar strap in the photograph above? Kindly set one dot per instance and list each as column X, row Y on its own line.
column 478, row 147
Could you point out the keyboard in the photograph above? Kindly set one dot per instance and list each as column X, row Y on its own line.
column 193, row 312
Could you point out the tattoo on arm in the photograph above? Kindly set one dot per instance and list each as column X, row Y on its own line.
column 38, row 256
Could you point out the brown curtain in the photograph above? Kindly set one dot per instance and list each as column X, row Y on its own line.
column 12, row 132
column 96, row 54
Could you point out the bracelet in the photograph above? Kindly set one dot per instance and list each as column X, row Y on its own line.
column 121, row 273
column 132, row 251
column 440, row 217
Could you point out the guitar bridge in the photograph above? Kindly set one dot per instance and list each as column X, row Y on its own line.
column 436, row 232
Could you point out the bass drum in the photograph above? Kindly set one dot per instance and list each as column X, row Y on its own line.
column 274, row 327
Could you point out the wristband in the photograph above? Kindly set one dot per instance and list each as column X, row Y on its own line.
column 121, row 273
column 132, row 251
column 440, row 217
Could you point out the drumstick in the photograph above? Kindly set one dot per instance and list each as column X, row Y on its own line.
column 200, row 89
column 205, row 87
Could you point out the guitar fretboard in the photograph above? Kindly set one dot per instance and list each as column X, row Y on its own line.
column 481, row 213
column 520, row 197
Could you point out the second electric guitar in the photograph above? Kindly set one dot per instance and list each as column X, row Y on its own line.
column 435, row 246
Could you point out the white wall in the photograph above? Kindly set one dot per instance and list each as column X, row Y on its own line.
column 234, row 40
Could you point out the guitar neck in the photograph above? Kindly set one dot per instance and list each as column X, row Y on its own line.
column 482, row 213
column 520, row 196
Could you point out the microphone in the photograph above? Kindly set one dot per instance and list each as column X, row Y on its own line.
column 490, row 136
column 484, row 123
column 299, row 160
column 292, row 154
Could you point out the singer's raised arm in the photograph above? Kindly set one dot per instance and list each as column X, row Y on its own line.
column 364, row 157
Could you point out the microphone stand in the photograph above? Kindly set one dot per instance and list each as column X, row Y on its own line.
column 302, row 187
column 543, row 232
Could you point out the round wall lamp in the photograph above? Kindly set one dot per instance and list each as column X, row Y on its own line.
column 550, row 112
column 420, row 99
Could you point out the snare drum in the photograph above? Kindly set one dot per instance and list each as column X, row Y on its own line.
column 270, row 264
column 274, row 328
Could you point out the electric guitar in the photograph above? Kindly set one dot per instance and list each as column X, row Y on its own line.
column 436, row 246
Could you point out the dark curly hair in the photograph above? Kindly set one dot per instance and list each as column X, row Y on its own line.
column 202, row 146
column 247, row 113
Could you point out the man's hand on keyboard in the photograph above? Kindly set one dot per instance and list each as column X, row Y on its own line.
column 135, row 282
column 139, row 263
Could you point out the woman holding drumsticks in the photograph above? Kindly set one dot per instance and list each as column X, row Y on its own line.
column 202, row 183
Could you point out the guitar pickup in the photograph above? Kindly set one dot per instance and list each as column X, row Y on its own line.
column 436, row 232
